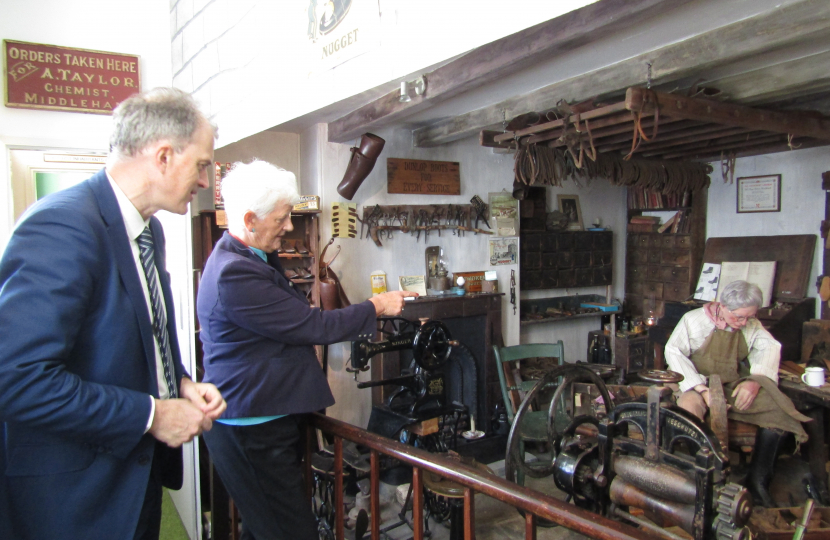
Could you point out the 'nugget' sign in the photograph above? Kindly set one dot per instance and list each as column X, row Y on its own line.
column 64, row 79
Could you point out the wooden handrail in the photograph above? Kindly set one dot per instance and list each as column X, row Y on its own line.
column 529, row 500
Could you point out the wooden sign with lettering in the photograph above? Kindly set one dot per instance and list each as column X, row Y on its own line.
column 66, row 79
column 423, row 177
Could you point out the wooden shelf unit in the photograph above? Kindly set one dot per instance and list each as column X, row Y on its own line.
column 664, row 266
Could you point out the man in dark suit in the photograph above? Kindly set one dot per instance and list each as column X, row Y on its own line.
column 93, row 395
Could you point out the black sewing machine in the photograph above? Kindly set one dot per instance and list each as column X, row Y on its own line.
column 420, row 406
column 649, row 455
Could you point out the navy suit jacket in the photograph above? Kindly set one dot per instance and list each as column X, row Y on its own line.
column 258, row 332
column 77, row 364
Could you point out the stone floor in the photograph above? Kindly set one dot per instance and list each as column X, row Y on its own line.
column 496, row 520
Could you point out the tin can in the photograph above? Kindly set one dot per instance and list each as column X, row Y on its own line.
column 378, row 278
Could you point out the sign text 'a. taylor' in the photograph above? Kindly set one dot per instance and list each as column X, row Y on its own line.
column 61, row 78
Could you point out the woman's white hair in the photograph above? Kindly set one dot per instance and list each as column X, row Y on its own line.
column 256, row 187
column 740, row 294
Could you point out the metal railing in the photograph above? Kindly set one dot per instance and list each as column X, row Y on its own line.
column 535, row 504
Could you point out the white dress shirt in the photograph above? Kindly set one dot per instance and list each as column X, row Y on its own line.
column 692, row 331
column 135, row 225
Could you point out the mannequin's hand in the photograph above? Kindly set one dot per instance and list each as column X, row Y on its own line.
column 745, row 393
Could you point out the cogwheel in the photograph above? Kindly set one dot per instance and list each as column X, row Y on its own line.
column 725, row 531
column 733, row 504
column 733, row 508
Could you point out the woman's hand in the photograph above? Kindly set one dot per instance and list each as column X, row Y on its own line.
column 391, row 303
column 745, row 393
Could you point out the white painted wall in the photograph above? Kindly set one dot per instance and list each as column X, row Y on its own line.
column 802, row 202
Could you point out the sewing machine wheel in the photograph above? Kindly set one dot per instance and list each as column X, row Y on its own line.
column 432, row 346
column 395, row 326
column 660, row 376
column 514, row 459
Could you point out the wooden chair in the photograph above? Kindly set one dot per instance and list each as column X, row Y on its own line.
column 513, row 388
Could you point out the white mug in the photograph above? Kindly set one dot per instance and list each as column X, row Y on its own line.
column 813, row 376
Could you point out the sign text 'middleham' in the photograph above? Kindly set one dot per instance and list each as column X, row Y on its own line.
column 67, row 79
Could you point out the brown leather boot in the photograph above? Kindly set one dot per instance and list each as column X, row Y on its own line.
column 360, row 165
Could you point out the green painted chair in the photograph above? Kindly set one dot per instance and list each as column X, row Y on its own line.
column 508, row 360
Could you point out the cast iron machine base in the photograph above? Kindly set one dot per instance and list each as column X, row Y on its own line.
column 653, row 456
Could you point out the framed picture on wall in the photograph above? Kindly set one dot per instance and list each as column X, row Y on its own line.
column 569, row 205
column 759, row 194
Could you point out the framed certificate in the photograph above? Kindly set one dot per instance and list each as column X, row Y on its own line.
column 759, row 194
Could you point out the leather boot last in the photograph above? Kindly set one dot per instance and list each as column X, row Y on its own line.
column 360, row 165
column 762, row 467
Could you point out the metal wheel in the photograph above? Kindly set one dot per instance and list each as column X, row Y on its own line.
column 432, row 345
column 514, row 460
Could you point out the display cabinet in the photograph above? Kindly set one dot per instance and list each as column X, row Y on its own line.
column 663, row 266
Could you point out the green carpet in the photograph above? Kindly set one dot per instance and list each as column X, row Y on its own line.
column 171, row 523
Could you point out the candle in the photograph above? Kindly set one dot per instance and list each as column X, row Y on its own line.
column 472, row 424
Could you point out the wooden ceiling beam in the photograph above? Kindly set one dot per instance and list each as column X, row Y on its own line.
column 503, row 57
column 767, row 31
column 728, row 114
column 785, row 79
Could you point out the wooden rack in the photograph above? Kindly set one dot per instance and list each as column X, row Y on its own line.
column 382, row 220
column 667, row 126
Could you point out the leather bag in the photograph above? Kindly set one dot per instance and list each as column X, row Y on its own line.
column 332, row 295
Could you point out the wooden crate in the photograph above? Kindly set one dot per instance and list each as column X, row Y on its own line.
column 777, row 522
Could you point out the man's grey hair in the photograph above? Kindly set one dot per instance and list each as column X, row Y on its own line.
column 159, row 114
column 256, row 187
column 741, row 294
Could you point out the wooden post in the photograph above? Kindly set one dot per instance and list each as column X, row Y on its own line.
column 469, row 515
column 338, row 488
column 417, row 504
column 530, row 526
column 375, row 494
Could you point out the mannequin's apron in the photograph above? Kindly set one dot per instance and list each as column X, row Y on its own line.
column 724, row 353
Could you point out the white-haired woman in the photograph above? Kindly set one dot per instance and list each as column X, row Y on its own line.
column 258, row 333
column 726, row 339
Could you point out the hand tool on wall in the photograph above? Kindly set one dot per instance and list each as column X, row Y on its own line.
column 513, row 290
column 481, row 211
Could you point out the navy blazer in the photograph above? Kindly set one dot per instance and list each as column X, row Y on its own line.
column 258, row 333
column 77, row 364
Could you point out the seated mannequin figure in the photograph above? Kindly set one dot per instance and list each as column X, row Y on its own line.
column 726, row 339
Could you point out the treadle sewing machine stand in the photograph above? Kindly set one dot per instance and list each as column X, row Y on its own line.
column 411, row 413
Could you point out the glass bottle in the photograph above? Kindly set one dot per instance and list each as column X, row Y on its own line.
column 605, row 353
column 592, row 351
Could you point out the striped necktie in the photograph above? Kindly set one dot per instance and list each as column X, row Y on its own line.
column 148, row 262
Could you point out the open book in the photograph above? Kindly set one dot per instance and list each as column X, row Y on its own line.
column 759, row 273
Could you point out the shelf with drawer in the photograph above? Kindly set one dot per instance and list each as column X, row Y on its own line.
column 664, row 267
column 551, row 260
